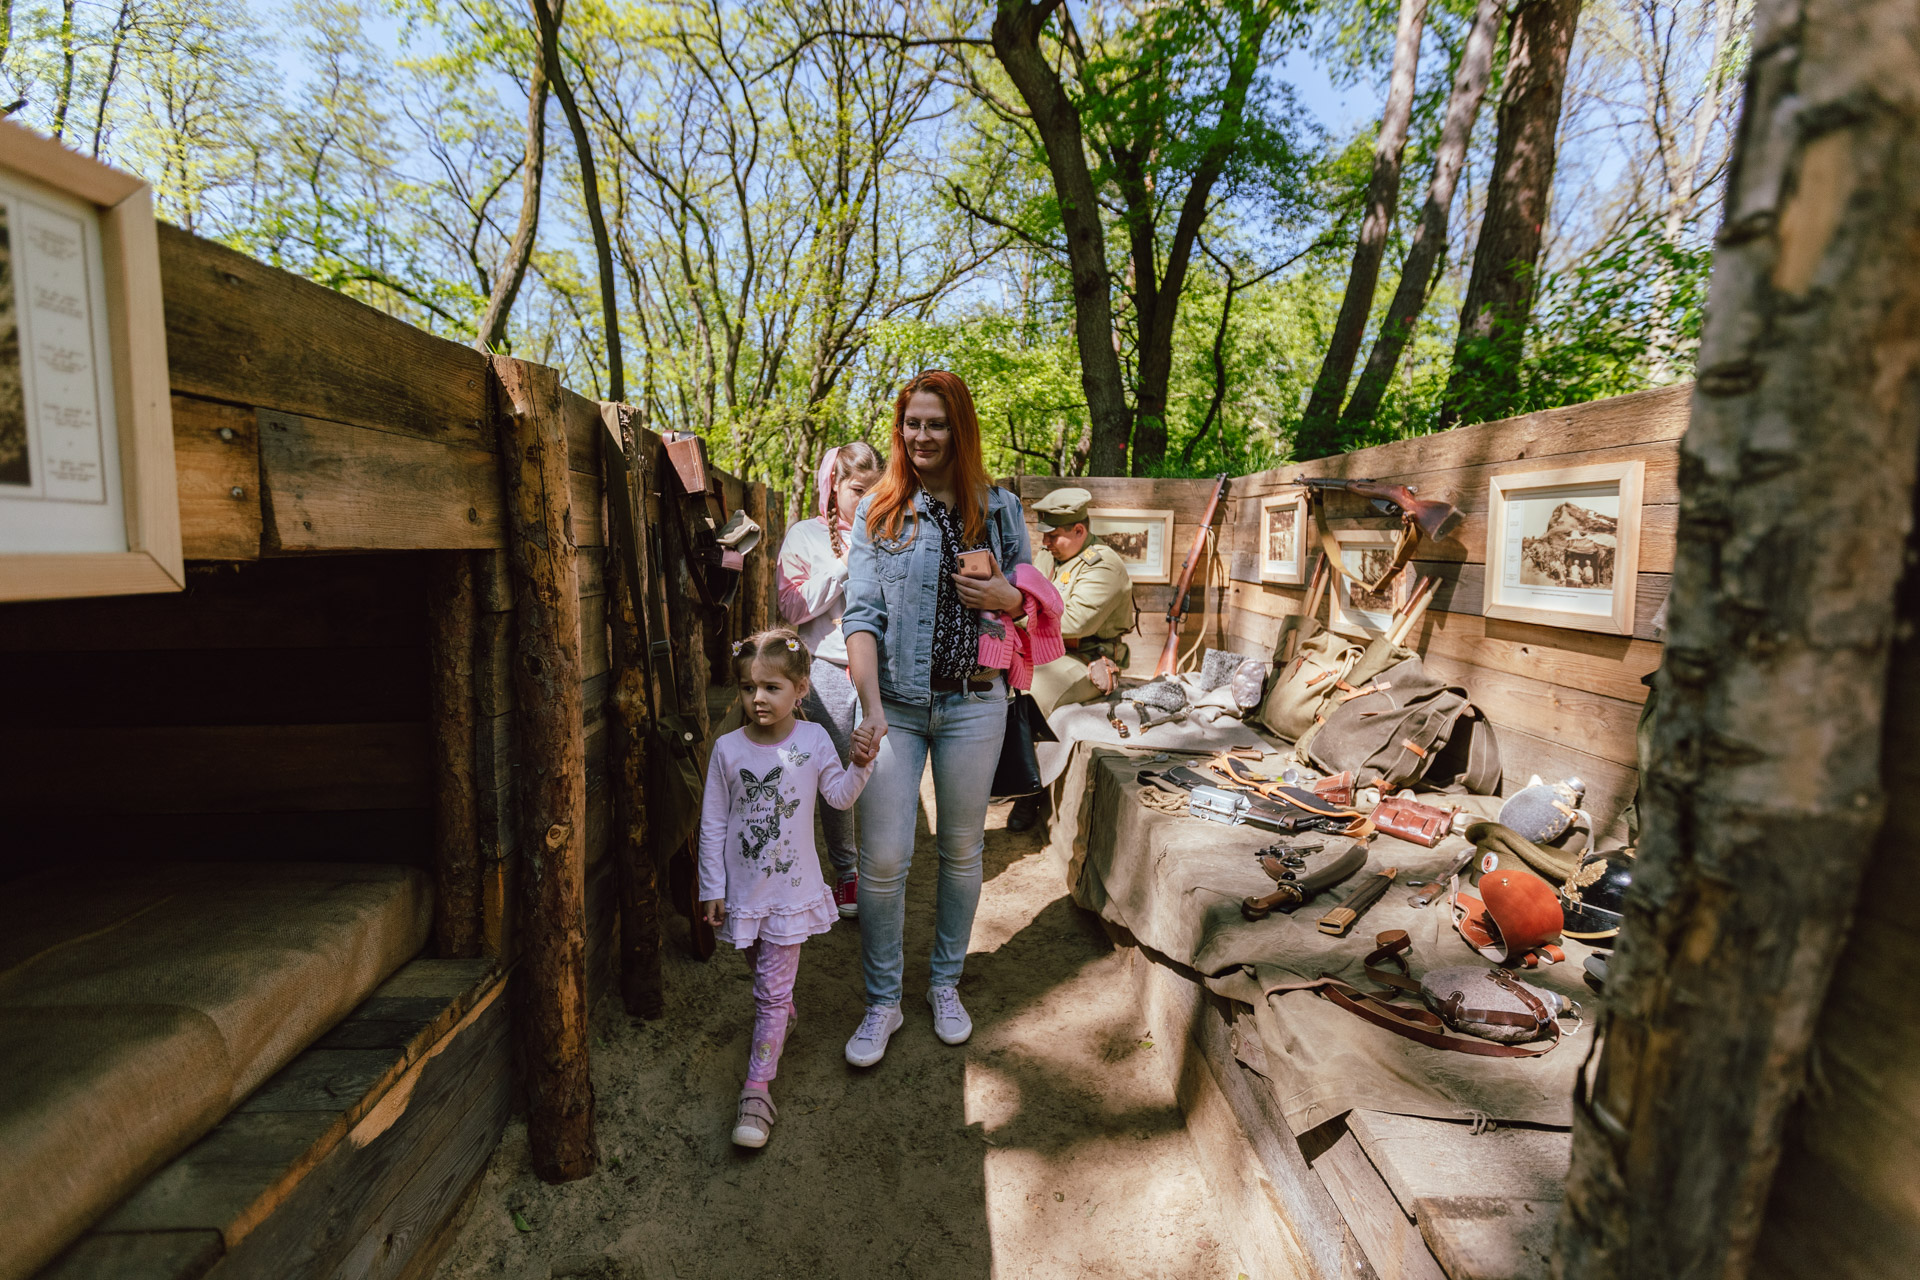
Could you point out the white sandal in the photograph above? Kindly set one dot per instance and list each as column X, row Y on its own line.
column 753, row 1123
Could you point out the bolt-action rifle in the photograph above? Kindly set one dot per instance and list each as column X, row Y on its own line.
column 1177, row 608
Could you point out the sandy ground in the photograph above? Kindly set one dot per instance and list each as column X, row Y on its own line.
column 1047, row 1146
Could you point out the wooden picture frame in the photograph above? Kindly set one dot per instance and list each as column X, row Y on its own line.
column 1563, row 546
column 85, row 236
column 1359, row 552
column 1285, row 526
column 1143, row 537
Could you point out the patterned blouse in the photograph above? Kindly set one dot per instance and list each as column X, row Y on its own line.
column 956, row 628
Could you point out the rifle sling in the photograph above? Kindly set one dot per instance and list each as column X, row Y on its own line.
column 1402, row 551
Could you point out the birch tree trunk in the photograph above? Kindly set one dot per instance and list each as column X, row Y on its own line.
column 1765, row 793
column 1317, row 436
column 1485, row 380
column 1430, row 237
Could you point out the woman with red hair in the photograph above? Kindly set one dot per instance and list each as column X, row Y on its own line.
column 913, row 645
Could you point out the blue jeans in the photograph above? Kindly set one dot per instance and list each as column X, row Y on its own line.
column 962, row 732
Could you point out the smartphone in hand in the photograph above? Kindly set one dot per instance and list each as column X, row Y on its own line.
column 976, row 564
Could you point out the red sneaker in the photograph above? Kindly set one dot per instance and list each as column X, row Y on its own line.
column 846, row 896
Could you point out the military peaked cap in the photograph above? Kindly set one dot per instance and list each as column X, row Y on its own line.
column 1063, row 507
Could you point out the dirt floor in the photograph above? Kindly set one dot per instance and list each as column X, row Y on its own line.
column 1047, row 1146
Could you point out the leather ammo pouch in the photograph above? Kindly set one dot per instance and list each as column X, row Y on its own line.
column 1423, row 824
column 1498, row 1012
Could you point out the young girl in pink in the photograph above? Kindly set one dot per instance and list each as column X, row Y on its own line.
column 760, row 883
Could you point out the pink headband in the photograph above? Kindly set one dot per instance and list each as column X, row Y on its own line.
column 823, row 482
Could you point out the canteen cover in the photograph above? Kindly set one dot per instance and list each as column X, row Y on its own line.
column 1460, row 990
column 1542, row 811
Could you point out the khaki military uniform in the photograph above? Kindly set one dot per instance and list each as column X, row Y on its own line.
column 1097, row 594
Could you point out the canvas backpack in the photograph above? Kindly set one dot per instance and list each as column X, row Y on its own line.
column 1397, row 729
column 1301, row 691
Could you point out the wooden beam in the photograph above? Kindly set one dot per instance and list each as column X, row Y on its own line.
column 241, row 331
column 216, row 463
column 551, row 758
column 452, row 633
column 642, row 981
column 332, row 486
column 758, row 586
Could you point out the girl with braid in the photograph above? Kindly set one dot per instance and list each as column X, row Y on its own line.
column 812, row 581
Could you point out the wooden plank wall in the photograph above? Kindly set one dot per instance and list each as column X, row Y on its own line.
column 277, row 708
column 1564, row 702
column 271, row 710
column 1187, row 499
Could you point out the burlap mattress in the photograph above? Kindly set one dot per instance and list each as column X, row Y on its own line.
column 139, row 1005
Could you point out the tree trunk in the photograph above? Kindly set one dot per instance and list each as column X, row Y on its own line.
column 1016, row 42
column 1430, row 237
column 1160, row 307
column 492, row 332
column 629, row 579
column 549, row 18
column 551, row 749
column 1766, row 793
column 1485, row 380
column 452, row 629
column 1317, row 436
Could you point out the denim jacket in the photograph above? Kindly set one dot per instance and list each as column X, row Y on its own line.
column 893, row 588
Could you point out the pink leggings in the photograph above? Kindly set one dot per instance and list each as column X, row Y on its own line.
column 774, row 969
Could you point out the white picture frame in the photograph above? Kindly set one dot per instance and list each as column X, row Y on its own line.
column 88, row 502
column 1361, row 552
column 1563, row 546
column 1285, row 527
column 1143, row 537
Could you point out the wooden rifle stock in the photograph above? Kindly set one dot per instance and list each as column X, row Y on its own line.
column 1435, row 518
column 1177, row 609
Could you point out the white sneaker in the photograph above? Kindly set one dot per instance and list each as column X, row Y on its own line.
column 950, row 1020
column 869, row 1043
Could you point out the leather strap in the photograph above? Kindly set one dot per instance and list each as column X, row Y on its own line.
column 1402, row 551
column 1418, row 1023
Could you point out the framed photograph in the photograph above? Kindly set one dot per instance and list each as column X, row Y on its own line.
column 1284, row 530
column 1563, row 547
column 1365, row 554
column 1144, row 539
column 88, row 504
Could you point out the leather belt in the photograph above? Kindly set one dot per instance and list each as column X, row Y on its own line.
column 954, row 684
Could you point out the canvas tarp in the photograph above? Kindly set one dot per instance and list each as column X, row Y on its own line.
column 1175, row 883
column 139, row 1004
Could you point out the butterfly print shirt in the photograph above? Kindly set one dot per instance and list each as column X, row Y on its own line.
column 756, row 833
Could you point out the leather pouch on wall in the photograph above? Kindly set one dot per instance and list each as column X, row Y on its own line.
column 1423, row 824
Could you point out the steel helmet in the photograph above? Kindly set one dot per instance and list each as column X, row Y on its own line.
column 1592, row 899
column 1514, row 919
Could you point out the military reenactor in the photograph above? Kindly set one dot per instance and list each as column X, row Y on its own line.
column 1097, row 594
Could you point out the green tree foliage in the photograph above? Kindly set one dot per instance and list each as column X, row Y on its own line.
column 808, row 200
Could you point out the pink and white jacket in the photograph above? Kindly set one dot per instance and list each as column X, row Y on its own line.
column 811, row 579
column 1015, row 648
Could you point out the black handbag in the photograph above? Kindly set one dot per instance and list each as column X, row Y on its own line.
column 1018, row 773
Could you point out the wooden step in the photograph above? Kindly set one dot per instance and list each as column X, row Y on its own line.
column 347, row 1162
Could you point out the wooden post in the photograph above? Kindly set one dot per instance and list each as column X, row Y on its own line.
column 684, row 629
column 642, row 984
column 551, row 762
column 456, row 837
column 1765, row 791
column 759, row 583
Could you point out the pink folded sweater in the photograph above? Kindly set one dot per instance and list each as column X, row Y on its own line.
column 1016, row 648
